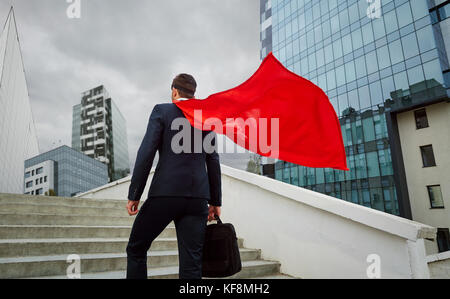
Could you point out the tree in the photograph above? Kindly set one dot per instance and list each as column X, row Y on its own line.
column 254, row 164
column 50, row 192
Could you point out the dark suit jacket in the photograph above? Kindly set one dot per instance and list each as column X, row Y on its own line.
column 186, row 174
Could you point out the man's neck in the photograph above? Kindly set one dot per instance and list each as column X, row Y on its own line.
column 180, row 99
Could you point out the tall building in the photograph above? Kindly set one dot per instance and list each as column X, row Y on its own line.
column 423, row 134
column 65, row 171
column 99, row 131
column 375, row 60
column 18, row 140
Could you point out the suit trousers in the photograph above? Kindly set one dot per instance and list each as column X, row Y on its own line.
column 190, row 216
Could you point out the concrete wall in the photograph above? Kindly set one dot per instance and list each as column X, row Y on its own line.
column 311, row 234
column 439, row 265
column 418, row 177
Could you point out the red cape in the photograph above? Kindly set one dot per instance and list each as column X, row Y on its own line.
column 309, row 131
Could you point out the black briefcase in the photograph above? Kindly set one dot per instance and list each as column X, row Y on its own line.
column 221, row 257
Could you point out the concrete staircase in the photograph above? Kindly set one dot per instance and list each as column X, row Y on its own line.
column 38, row 233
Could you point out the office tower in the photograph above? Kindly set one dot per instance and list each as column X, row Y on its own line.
column 18, row 140
column 63, row 172
column 99, row 131
column 374, row 60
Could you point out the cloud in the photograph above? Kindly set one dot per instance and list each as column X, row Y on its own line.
column 134, row 48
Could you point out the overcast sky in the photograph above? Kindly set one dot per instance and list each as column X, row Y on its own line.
column 133, row 47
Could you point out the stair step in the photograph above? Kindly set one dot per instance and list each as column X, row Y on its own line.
column 74, row 231
column 249, row 269
column 61, row 209
column 31, row 266
column 38, row 233
column 55, row 219
column 46, row 247
column 82, row 202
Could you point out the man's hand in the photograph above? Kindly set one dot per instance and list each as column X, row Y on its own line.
column 132, row 207
column 213, row 211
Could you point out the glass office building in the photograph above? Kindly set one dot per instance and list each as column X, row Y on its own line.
column 119, row 144
column 372, row 61
column 72, row 172
column 99, row 130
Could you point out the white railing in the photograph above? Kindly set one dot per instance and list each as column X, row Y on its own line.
column 313, row 235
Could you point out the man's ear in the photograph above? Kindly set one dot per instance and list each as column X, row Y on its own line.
column 175, row 93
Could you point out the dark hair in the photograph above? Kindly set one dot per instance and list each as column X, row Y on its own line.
column 185, row 84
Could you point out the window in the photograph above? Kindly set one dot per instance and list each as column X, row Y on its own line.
column 39, row 170
column 45, row 179
column 39, row 191
column 443, row 239
column 428, row 156
column 29, row 184
column 435, row 195
column 37, row 181
column 32, row 172
column 27, row 175
column 40, row 180
column 421, row 119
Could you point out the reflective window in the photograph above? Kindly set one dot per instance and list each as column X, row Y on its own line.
column 410, row 47
column 371, row 61
column 357, row 39
column 390, row 19
column 388, row 87
column 373, row 165
column 367, row 33
column 385, row 162
column 378, row 28
column 415, row 75
column 294, row 175
column 428, row 156
column 364, row 97
column 419, row 9
column 433, row 70
column 404, row 15
column 350, row 71
column 421, row 119
column 435, row 195
column 320, row 178
column 376, row 93
column 425, row 38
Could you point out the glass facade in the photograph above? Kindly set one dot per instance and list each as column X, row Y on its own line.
column 76, row 125
column 74, row 172
column 367, row 66
column 119, row 144
column 99, row 130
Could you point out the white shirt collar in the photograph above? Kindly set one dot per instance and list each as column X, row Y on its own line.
column 183, row 99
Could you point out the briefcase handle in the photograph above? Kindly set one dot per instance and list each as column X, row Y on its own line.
column 218, row 219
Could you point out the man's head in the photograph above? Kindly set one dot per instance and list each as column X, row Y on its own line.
column 183, row 86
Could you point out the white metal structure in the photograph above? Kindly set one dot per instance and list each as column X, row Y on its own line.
column 17, row 130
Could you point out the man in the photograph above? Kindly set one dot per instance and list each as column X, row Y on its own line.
column 182, row 186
